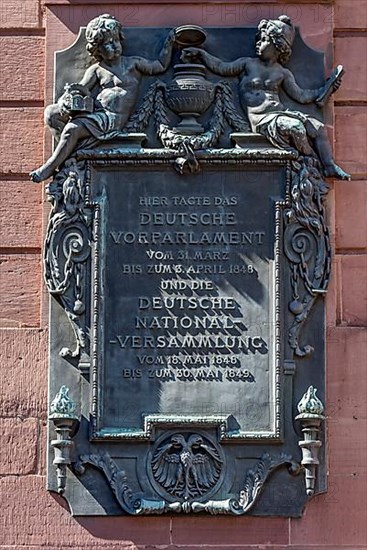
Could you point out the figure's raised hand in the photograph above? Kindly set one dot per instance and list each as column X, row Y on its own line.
column 190, row 55
column 335, row 79
column 331, row 85
column 35, row 176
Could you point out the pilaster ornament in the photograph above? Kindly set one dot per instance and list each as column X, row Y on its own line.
column 67, row 251
column 62, row 414
column 306, row 245
column 311, row 416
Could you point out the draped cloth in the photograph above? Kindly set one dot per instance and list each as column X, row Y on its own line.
column 101, row 124
column 287, row 129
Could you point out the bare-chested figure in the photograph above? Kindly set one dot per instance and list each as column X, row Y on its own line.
column 260, row 80
column 113, row 81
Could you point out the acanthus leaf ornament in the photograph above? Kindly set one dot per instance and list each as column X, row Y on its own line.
column 117, row 479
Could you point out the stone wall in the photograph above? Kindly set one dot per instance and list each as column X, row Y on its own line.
column 30, row 517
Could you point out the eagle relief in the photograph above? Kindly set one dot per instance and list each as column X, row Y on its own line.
column 186, row 466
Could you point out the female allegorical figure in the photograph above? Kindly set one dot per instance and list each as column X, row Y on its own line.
column 113, row 81
column 260, row 81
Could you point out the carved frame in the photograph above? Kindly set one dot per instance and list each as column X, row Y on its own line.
column 232, row 157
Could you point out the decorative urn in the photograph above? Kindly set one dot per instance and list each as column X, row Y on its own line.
column 189, row 95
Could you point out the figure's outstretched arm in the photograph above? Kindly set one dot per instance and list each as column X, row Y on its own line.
column 296, row 92
column 90, row 79
column 214, row 64
column 148, row 67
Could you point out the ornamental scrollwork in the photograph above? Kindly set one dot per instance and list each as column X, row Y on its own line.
column 306, row 245
column 67, row 250
column 254, row 481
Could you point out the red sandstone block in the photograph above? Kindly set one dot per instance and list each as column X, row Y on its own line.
column 348, row 52
column 19, row 14
column 318, row 547
column 21, row 139
column 21, row 68
column 332, row 295
column 230, row 531
column 351, row 138
column 336, row 518
column 347, row 381
column 348, row 433
column 221, row 545
column 351, row 214
column 18, row 448
column 198, row 547
column 346, row 406
column 32, row 516
column 42, row 449
column 139, row 530
column 20, row 287
column 353, row 301
column 23, row 388
column 23, row 230
column 123, row 546
column 350, row 14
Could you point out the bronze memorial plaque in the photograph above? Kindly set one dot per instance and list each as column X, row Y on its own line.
column 187, row 255
column 188, row 297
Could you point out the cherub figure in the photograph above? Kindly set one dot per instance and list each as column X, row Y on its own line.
column 112, row 82
column 260, row 81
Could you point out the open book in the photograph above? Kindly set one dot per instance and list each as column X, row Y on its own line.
column 329, row 85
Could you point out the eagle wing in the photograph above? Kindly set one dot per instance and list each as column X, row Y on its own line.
column 166, row 466
column 208, row 466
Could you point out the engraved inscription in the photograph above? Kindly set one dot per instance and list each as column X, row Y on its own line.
column 188, row 309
